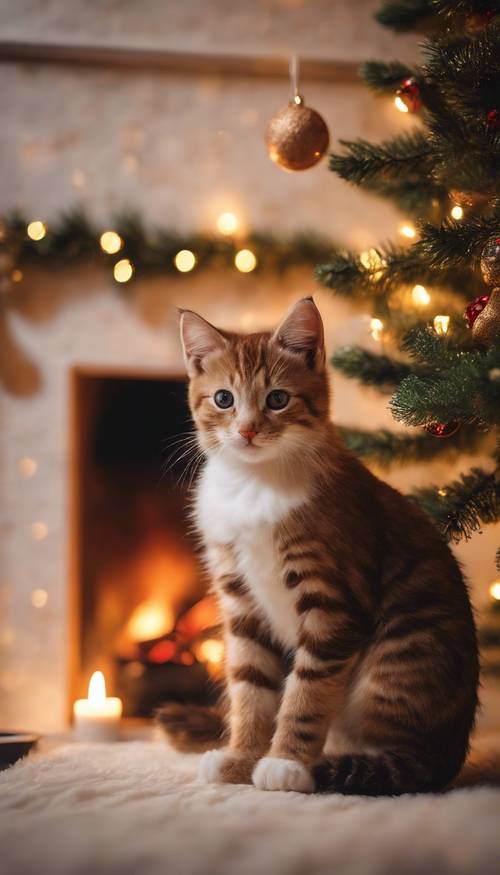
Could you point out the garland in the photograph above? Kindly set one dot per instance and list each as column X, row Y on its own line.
column 74, row 238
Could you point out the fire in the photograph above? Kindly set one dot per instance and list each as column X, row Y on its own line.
column 97, row 688
column 211, row 650
column 151, row 619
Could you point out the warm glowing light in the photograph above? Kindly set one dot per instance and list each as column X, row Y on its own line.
column 186, row 658
column 407, row 230
column 494, row 590
column 227, row 223
column 97, row 688
column 39, row 598
column 441, row 324
column 27, row 467
column 110, row 242
column 185, row 260
column 97, row 718
column 245, row 260
column 373, row 262
column 16, row 275
column 420, row 296
column 442, row 492
column 36, row 230
column 151, row 619
column 399, row 104
column 376, row 328
column 123, row 270
column 456, row 212
column 39, row 531
column 211, row 650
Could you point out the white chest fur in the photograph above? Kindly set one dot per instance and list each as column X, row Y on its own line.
column 240, row 506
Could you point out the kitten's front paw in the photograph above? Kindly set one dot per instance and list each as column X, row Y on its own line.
column 276, row 773
column 222, row 767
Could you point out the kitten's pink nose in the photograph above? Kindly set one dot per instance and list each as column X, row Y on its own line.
column 248, row 435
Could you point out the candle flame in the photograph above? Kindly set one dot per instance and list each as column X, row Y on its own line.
column 97, row 688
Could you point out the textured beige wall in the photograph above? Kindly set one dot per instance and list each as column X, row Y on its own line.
column 180, row 150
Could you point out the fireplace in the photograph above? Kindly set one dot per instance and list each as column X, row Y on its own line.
column 141, row 610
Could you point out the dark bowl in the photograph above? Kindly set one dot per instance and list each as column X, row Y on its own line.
column 14, row 746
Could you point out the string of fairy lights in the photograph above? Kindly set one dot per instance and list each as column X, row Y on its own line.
column 245, row 260
column 185, row 260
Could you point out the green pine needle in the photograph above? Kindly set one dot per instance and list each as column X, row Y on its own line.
column 369, row 368
column 462, row 507
column 387, row 448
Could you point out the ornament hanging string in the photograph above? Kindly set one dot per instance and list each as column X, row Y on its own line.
column 294, row 68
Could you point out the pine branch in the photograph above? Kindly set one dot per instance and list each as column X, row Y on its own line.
column 406, row 154
column 467, row 60
column 405, row 15
column 421, row 198
column 454, row 244
column 383, row 76
column 350, row 275
column 463, row 387
column 460, row 508
column 386, row 448
column 368, row 368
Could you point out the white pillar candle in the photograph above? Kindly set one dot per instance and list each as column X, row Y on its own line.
column 97, row 718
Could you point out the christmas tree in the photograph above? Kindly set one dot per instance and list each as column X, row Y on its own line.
column 435, row 299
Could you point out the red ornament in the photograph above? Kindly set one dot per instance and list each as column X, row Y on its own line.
column 409, row 94
column 442, row 429
column 493, row 119
column 475, row 307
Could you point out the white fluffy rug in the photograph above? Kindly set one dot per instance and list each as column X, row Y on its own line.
column 137, row 808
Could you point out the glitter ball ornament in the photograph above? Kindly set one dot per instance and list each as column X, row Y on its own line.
column 490, row 262
column 493, row 119
column 473, row 309
column 486, row 327
column 297, row 137
column 408, row 94
column 442, row 429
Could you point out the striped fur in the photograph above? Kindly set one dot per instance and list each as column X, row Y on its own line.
column 351, row 646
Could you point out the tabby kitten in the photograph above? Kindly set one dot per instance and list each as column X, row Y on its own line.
column 351, row 650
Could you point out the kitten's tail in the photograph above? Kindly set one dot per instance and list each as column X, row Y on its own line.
column 192, row 728
column 385, row 774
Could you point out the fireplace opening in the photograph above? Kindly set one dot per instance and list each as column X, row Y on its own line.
column 143, row 614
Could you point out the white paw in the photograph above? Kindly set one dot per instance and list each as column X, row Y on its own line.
column 211, row 766
column 275, row 773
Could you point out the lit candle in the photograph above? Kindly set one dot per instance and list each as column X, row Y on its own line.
column 97, row 718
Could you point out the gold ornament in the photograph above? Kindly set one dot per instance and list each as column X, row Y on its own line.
column 297, row 137
column 490, row 262
column 486, row 327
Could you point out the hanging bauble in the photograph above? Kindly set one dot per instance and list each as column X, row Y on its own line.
column 475, row 307
column 408, row 97
column 490, row 262
column 493, row 119
column 442, row 429
column 486, row 328
column 297, row 137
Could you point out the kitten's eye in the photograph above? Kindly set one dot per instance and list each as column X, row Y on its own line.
column 277, row 399
column 224, row 399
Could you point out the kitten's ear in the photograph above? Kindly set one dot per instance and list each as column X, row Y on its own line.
column 301, row 331
column 199, row 338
